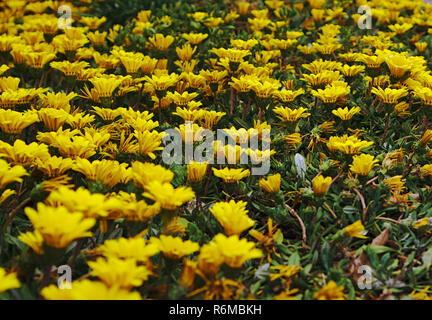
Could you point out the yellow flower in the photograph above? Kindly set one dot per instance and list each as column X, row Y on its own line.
column 53, row 166
column 291, row 115
column 146, row 172
column 195, row 38
column 287, row 96
column 347, row 144
column 363, row 164
column 427, row 169
column 52, row 118
column 399, row 64
column 345, row 114
column 351, row 71
column 421, row 295
column 136, row 248
column 105, row 86
column 161, row 42
column 425, row 94
column 174, row 247
column 331, row 93
column 232, row 216
column 185, row 53
column 235, row 251
column 168, row 197
column 196, row 171
column 231, row 175
column 331, row 291
column 10, row 174
column 89, row 290
column 321, row 184
column 400, row 28
column 124, row 273
column 389, row 95
column 8, row 280
column 395, row 184
column 58, row 226
column 271, row 184
column 161, row 82
column 209, row 258
column 285, row 271
column 148, row 142
column 356, row 230
column 293, row 139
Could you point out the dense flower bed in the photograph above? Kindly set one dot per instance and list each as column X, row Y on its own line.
column 342, row 99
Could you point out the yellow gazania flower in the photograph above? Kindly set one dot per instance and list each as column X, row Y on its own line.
column 293, row 139
column 209, row 258
column 70, row 69
column 174, row 247
column 109, row 172
column 291, row 115
column 425, row 94
column 321, row 184
column 399, row 64
column 271, row 184
column 52, row 118
column 427, row 169
column 14, row 122
column 356, row 230
column 124, row 273
column 168, row 197
column 97, row 38
column 395, row 184
column 351, row 71
column 161, row 82
column 400, row 28
column 9, row 83
column 181, row 99
column 105, row 86
column 235, row 251
column 22, row 154
column 136, row 248
column 196, row 171
column 140, row 211
column 58, row 226
column 421, row 46
column 185, row 53
column 93, row 22
column 38, row 60
column 331, row 291
column 243, row 7
column 427, row 137
column 389, row 95
column 161, row 42
column 345, row 114
column 148, row 142
column 57, row 100
column 8, row 280
column 347, row 144
column 210, row 118
column 89, row 290
column 232, row 216
column 331, row 93
column 363, row 164
column 146, row 172
column 53, row 166
column 243, row 44
column 287, row 96
column 195, row 38
column 231, row 175
column 265, row 88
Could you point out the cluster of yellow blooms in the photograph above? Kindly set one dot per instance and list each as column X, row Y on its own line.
column 83, row 114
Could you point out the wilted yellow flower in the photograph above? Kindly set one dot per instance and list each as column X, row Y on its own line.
column 356, row 230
